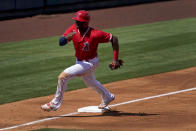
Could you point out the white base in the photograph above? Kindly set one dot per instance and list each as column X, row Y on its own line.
column 92, row 109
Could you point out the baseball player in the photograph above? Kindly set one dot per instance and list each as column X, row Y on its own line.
column 85, row 40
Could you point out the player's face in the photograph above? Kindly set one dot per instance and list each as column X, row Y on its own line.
column 81, row 25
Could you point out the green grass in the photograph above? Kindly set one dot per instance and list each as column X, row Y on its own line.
column 30, row 68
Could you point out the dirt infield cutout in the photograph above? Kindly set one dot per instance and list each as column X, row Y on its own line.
column 173, row 106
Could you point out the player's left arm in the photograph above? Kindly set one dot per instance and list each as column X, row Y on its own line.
column 115, row 45
column 104, row 37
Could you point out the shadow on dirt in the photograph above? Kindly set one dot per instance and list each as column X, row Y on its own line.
column 111, row 113
column 119, row 113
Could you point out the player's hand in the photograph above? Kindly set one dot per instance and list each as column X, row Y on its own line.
column 115, row 64
column 70, row 35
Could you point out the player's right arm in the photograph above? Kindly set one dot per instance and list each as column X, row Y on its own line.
column 67, row 36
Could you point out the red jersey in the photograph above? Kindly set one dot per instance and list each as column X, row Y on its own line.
column 86, row 45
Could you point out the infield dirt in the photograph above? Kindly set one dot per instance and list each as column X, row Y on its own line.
column 175, row 112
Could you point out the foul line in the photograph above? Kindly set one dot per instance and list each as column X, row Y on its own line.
column 76, row 113
column 39, row 121
column 151, row 97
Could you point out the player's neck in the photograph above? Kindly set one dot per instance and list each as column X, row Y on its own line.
column 83, row 30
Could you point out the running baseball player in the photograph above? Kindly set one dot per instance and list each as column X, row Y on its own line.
column 85, row 40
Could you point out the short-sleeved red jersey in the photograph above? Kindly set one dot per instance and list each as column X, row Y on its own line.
column 86, row 45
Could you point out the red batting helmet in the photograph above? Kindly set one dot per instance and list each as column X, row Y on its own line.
column 82, row 16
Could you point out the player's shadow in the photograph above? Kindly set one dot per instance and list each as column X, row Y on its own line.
column 119, row 113
column 109, row 113
column 114, row 113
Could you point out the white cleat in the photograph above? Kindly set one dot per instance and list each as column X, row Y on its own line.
column 104, row 104
column 48, row 107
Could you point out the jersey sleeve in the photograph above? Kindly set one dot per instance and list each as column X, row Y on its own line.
column 103, row 37
column 70, row 29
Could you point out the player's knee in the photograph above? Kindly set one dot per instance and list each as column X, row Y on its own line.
column 63, row 76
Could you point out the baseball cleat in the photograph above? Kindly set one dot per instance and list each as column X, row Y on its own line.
column 48, row 107
column 104, row 104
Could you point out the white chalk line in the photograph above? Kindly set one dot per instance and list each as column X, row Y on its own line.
column 39, row 121
column 151, row 97
column 76, row 113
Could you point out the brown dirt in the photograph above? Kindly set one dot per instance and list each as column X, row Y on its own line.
column 175, row 112
column 50, row 25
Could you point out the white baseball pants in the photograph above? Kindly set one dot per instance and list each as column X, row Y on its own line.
column 84, row 69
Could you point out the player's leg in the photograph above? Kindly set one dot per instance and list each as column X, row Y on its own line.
column 90, row 81
column 76, row 70
column 63, row 79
